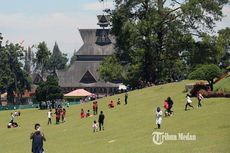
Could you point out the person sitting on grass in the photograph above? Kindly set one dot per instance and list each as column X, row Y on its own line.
column 88, row 113
column 12, row 125
column 111, row 104
column 95, row 126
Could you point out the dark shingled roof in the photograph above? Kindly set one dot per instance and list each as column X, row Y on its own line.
column 73, row 76
column 90, row 47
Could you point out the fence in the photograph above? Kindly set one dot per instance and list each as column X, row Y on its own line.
column 13, row 107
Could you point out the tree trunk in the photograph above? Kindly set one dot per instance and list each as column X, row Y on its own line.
column 0, row 98
column 211, row 84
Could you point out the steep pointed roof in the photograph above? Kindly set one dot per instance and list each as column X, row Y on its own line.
column 88, row 78
column 103, row 20
column 89, row 37
column 72, row 76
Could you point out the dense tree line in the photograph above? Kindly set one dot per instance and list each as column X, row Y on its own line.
column 18, row 64
column 13, row 78
column 161, row 41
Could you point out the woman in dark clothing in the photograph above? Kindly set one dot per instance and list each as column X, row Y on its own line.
column 37, row 140
column 101, row 121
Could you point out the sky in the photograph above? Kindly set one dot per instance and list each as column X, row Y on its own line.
column 34, row 21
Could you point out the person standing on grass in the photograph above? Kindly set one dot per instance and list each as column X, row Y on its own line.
column 96, row 104
column 94, row 108
column 126, row 98
column 188, row 102
column 170, row 105
column 63, row 113
column 199, row 98
column 158, row 117
column 101, row 121
column 58, row 115
column 50, row 116
column 118, row 101
column 37, row 138
column 166, row 106
column 95, row 126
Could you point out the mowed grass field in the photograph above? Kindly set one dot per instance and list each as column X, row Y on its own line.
column 128, row 129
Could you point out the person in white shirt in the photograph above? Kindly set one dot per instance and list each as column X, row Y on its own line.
column 95, row 126
column 199, row 97
column 158, row 117
column 50, row 116
column 188, row 102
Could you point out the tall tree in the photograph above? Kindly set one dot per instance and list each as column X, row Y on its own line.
column 42, row 57
column 13, row 78
column 206, row 72
column 223, row 44
column 28, row 59
column 49, row 90
column 152, row 35
column 57, row 60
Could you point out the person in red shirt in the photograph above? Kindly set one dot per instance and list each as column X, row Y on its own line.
column 96, row 104
column 94, row 108
column 82, row 113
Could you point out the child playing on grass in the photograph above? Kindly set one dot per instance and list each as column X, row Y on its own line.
column 95, row 126
column 166, row 106
column 158, row 117
column 118, row 101
column 199, row 98
column 49, row 116
column 188, row 102
column 82, row 113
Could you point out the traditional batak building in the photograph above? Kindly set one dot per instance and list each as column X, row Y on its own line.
column 98, row 44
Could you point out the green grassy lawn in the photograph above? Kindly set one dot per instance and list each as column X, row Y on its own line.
column 223, row 85
column 128, row 129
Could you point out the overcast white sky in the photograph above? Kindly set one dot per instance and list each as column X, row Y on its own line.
column 33, row 21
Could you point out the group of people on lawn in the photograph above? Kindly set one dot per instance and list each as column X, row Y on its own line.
column 100, row 122
column 168, row 104
column 60, row 115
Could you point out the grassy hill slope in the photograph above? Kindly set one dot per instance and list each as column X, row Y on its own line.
column 128, row 129
column 223, row 85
